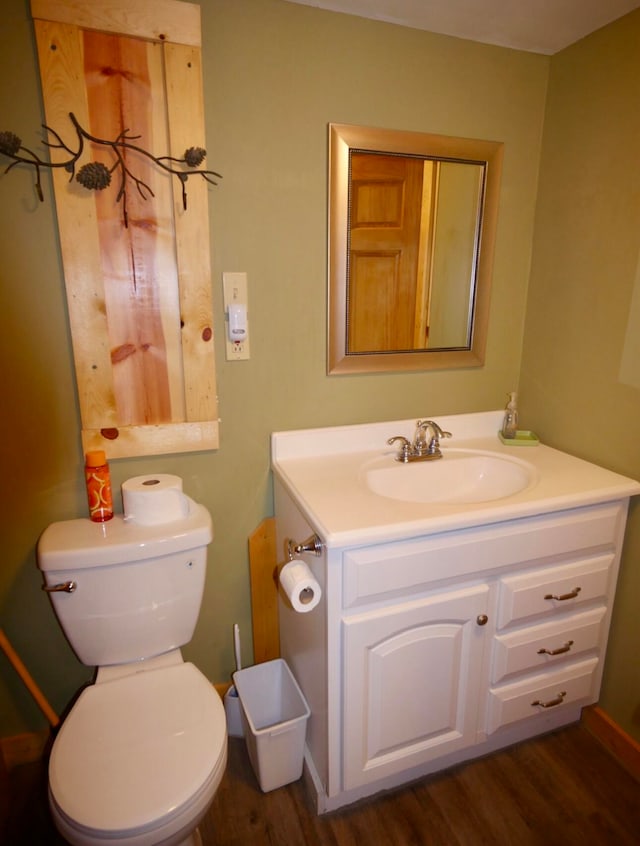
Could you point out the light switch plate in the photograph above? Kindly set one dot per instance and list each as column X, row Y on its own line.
column 234, row 286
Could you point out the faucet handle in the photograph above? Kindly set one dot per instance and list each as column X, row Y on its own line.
column 405, row 447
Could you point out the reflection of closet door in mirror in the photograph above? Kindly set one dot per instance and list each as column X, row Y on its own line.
column 384, row 231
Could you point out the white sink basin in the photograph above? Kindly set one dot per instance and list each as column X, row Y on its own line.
column 346, row 484
column 460, row 476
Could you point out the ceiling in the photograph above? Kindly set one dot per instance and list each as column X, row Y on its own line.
column 538, row 26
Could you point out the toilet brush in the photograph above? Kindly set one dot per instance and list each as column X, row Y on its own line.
column 231, row 699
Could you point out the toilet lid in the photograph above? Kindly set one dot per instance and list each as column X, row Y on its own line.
column 134, row 750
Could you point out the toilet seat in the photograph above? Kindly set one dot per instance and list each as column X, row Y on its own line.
column 136, row 752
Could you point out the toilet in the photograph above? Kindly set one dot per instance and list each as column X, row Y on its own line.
column 139, row 756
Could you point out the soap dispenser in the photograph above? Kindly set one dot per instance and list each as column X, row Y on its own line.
column 510, row 423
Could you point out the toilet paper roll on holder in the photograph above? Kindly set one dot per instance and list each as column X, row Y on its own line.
column 312, row 544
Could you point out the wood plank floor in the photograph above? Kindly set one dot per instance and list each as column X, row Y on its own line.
column 560, row 790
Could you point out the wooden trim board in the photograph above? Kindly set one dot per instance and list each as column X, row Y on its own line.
column 156, row 20
column 23, row 748
column 624, row 748
column 263, row 567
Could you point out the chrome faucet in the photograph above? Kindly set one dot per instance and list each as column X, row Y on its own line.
column 423, row 448
column 432, row 445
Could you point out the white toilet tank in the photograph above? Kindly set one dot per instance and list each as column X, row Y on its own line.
column 127, row 592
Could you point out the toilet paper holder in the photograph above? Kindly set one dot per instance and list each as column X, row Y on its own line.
column 312, row 544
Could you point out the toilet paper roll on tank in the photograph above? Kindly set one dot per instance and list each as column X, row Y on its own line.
column 299, row 585
column 154, row 499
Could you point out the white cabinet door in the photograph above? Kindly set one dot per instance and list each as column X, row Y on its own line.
column 412, row 675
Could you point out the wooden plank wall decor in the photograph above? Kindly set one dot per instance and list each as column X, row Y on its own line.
column 139, row 295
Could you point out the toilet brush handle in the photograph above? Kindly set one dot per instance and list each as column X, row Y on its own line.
column 236, row 645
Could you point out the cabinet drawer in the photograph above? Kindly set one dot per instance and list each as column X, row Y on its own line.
column 542, row 693
column 373, row 572
column 533, row 648
column 550, row 590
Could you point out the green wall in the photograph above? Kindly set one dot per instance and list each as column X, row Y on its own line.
column 275, row 75
column 584, row 271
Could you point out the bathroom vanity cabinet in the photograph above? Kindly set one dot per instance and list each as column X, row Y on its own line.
column 442, row 644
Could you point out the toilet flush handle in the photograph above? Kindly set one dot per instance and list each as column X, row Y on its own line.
column 66, row 587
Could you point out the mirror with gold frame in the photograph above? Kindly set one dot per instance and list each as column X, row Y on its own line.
column 412, row 219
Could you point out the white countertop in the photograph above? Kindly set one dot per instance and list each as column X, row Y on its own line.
column 322, row 469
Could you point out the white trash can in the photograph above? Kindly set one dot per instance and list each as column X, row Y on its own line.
column 274, row 716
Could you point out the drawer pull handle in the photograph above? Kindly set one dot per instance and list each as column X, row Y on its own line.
column 482, row 619
column 571, row 595
column 559, row 699
column 557, row 651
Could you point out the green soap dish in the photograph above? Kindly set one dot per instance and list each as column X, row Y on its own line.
column 523, row 438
